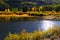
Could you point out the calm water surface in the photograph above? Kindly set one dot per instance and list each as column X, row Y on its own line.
column 15, row 27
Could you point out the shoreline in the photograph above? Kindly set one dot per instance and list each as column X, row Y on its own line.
column 33, row 15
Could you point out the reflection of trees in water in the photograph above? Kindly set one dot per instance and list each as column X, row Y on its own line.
column 35, row 35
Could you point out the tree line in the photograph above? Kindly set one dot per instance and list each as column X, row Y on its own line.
column 51, row 8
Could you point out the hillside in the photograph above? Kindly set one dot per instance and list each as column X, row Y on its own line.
column 28, row 3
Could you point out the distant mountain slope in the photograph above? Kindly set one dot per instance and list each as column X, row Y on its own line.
column 3, row 3
column 46, row 1
column 56, row 1
column 17, row 3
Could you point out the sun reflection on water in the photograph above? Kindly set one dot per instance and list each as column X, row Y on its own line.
column 47, row 24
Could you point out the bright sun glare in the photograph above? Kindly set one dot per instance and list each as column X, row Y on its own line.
column 46, row 25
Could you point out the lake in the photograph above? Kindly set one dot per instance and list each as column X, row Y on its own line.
column 17, row 26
